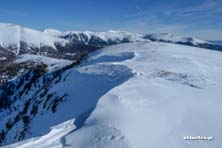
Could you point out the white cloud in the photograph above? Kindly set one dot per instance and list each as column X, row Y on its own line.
column 206, row 8
column 138, row 8
column 182, row 20
column 153, row 24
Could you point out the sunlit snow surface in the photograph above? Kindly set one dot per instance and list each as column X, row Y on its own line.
column 11, row 34
column 170, row 91
column 53, row 64
column 175, row 39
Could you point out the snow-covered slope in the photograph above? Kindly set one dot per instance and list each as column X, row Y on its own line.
column 106, row 36
column 52, row 42
column 109, row 35
column 100, row 39
column 174, row 38
column 12, row 35
column 137, row 95
column 20, row 40
column 170, row 38
column 53, row 64
column 52, row 139
column 216, row 42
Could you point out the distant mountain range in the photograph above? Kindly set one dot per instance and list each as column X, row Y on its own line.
column 111, row 89
column 216, row 42
column 16, row 40
column 170, row 38
column 51, row 42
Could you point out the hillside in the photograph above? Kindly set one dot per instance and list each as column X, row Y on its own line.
column 145, row 94
column 190, row 41
column 16, row 40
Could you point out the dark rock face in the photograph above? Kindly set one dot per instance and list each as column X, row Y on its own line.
column 70, row 51
column 6, row 54
column 93, row 41
column 82, row 44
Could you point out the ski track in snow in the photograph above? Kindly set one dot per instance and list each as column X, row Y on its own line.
column 142, row 95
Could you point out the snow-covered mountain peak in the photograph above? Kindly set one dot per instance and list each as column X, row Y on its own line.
column 19, row 40
column 108, row 35
column 12, row 36
column 8, row 34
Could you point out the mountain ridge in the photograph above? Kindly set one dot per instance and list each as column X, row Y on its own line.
column 118, row 96
column 51, row 42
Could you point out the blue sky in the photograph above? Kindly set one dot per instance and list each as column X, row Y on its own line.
column 198, row 18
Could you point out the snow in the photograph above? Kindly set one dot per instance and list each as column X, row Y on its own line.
column 3, row 58
column 52, row 139
column 140, row 95
column 49, row 37
column 12, row 35
column 9, row 34
column 216, row 42
column 38, row 38
column 53, row 64
column 153, row 111
column 174, row 38
column 53, row 32
column 109, row 35
column 106, row 36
